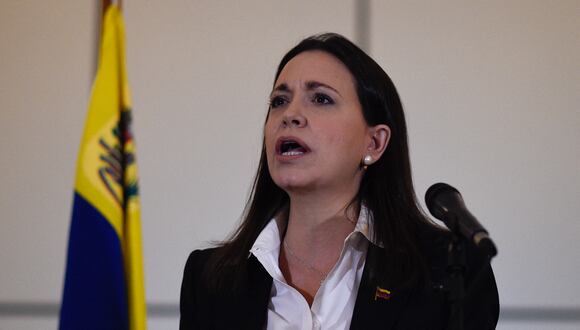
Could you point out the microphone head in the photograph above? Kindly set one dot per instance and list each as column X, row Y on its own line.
column 432, row 194
column 446, row 204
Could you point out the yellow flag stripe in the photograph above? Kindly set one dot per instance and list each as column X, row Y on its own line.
column 101, row 180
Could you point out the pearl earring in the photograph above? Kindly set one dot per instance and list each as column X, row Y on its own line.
column 367, row 160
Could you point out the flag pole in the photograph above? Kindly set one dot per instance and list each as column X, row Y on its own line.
column 101, row 8
column 106, row 3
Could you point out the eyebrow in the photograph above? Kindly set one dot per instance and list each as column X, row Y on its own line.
column 310, row 85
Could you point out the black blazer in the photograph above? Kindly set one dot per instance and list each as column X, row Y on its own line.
column 423, row 308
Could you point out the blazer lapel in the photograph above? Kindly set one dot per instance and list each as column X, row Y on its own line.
column 247, row 309
column 377, row 306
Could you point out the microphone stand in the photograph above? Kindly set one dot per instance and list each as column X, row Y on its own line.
column 454, row 285
column 446, row 204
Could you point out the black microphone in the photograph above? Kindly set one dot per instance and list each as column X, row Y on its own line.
column 446, row 204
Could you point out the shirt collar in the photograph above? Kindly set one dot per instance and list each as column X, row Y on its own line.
column 365, row 225
column 270, row 237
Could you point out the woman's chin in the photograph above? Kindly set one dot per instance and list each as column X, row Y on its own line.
column 293, row 184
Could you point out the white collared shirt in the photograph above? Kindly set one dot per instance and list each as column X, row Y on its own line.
column 334, row 302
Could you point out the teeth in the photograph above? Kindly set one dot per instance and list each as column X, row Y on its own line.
column 292, row 153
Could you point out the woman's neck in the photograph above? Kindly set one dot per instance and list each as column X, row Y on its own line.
column 318, row 225
column 315, row 234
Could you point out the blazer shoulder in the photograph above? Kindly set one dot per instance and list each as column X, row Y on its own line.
column 193, row 291
column 197, row 259
column 203, row 304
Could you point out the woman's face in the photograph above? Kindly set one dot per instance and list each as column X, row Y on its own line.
column 315, row 134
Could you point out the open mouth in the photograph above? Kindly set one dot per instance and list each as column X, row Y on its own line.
column 291, row 147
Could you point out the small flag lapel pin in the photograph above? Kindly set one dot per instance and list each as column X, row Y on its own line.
column 381, row 293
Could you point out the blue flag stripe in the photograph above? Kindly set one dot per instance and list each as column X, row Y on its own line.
column 95, row 293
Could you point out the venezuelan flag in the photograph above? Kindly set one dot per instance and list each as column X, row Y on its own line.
column 104, row 286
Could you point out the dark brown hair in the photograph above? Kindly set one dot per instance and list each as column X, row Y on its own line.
column 386, row 188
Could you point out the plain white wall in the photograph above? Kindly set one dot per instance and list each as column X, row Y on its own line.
column 490, row 90
column 492, row 95
column 46, row 70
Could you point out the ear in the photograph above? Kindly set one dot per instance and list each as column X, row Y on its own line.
column 379, row 139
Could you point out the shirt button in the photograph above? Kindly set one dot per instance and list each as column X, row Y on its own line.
column 315, row 324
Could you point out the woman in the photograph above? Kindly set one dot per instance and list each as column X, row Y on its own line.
column 332, row 237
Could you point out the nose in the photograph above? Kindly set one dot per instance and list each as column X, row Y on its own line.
column 294, row 120
column 293, row 117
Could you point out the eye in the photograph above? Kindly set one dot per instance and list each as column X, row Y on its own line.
column 322, row 99
column 277, row 101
